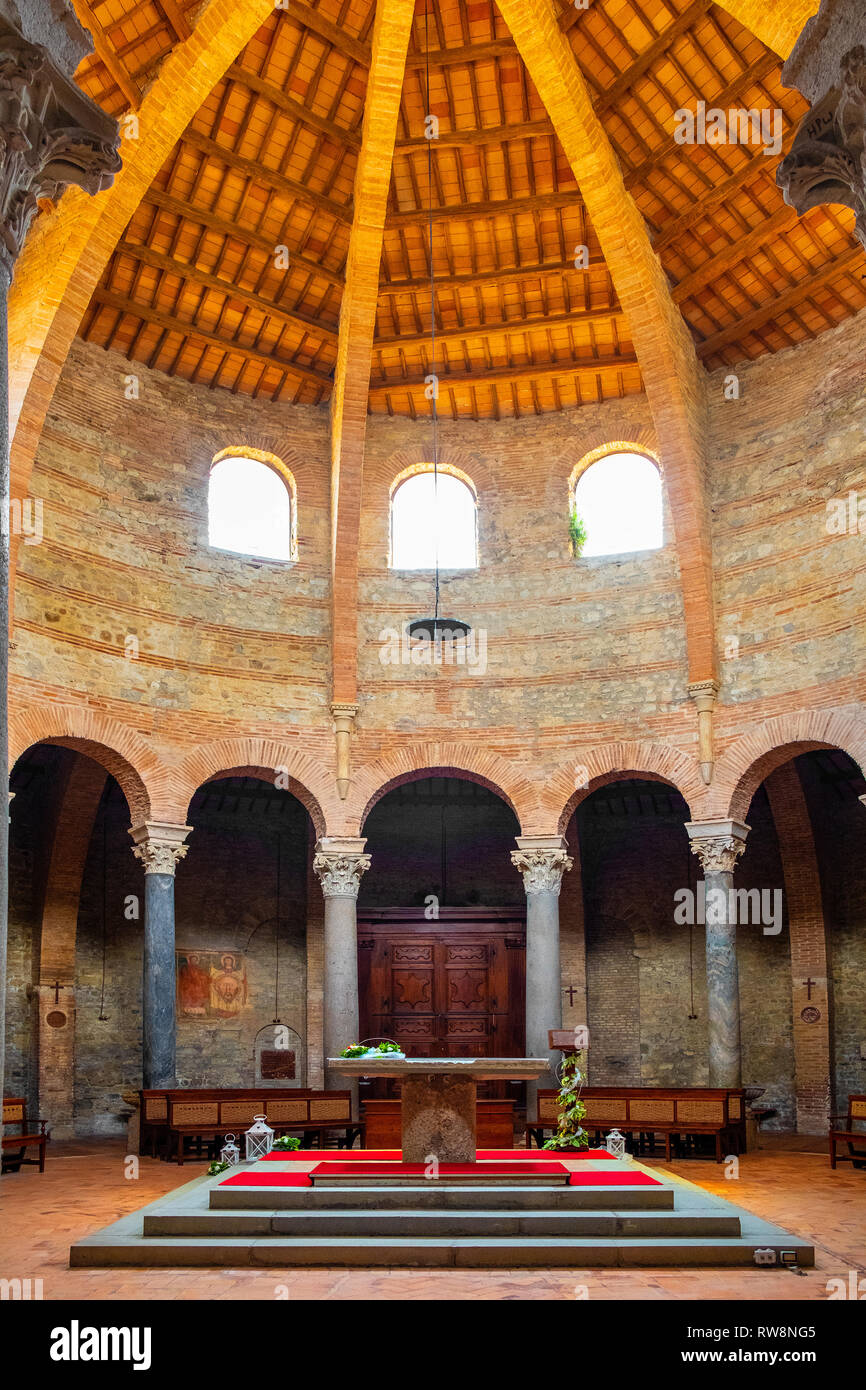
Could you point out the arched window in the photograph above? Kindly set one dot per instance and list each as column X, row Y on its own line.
column 618, row 503
column 433, row 518
column 251, row 507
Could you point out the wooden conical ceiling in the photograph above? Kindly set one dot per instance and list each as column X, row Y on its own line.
column 197, row 286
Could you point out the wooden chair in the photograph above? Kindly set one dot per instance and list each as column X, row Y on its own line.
column 854, row 1139
column 15, row 1113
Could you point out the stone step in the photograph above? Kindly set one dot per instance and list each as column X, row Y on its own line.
column 439, row 1197
column 421, row 1224
column 468, row 1252
column 416, row 1180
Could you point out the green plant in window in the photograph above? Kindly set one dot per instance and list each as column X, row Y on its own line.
column 576, row 531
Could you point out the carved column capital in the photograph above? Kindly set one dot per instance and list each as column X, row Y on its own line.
column 542, row 860
column 827, row 160
column 340, row 865
column 159, row 845
column 51, row 134
column 718, row 844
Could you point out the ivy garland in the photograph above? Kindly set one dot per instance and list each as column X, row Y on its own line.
column 569, row 1132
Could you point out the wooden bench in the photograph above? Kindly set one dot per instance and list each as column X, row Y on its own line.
column 646, row 1111
column 206, row 1116
column 494, row 1124
column 15, row 1113
column 854, row 1139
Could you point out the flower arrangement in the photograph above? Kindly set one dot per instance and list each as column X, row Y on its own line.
column 287, row 1142
column 382, row 1049
column 217, row 1166
column 569, row 1133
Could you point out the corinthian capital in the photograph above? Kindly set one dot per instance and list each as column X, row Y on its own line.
column 718, row 844
column 542, row 859
column 51, row 134
column 340, row 864
column 159, row 846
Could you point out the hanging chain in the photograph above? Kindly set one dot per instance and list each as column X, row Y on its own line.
column 435, row 383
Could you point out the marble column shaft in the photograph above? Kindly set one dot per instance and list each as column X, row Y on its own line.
column 340, row 865
column 542, row 860
column 159, row 847
column 718, row 845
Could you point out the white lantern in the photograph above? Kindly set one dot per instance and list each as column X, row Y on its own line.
column 615, row 1144
column 260, row 1138
column 230, row 1153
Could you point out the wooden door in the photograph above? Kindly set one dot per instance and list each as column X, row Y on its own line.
column 456, row 991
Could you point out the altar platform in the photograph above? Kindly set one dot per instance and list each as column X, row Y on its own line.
column 325, row 1208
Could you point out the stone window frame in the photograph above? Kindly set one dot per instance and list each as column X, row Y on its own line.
column 610, row 450
column 413, row 470
column 284, row 473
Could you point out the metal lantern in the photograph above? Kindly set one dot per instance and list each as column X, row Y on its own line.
column 259, row 1137
column 230, row 1153
column 615, row 1144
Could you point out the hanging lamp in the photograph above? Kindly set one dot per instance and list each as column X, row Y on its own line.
column 435, row 629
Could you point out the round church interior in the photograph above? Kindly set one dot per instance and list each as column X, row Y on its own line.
column 437, row 473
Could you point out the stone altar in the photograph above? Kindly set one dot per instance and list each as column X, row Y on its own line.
column 438, row 1096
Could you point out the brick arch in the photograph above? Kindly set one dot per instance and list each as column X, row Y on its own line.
column 611, row 762
column 374, row 781
column 134, row 766
column 254, row 757
column 464, row 462
column 744, row 765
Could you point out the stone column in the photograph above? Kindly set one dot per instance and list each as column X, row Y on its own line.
column 340, row 863
column 51, row 135
column 718, row 845
column 159, row 847
column 542, row 859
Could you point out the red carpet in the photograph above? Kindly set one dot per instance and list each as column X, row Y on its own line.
column 616, row 1178
column 395, row 1155
column 267, row 1180
column 385, row 1170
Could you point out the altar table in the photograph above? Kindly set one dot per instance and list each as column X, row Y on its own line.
column 438, row 1095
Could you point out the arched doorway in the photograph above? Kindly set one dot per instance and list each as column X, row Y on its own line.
column 441, row 923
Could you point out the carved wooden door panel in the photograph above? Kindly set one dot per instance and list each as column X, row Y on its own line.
column 443, row 996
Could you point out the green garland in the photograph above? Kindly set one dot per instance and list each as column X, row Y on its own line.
column 569, row 1133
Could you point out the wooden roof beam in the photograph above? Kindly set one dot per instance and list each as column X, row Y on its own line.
column 673, row 378
column 223, row 226
column 106, row 53
column 269, row 178
column 504, row 274
column 518, row 324
column 582, row 366
column 790, row 298
column 777, row 24
column 172, row 324
column 391, row 30
column 146, row 255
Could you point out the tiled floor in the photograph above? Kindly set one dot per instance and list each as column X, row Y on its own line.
column 85, row 1187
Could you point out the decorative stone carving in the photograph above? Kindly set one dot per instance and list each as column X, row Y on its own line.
column 827, row 161
column 51, row 135
column 340, row 873
column 718, row 844
column 542, row 869
column 160, row 846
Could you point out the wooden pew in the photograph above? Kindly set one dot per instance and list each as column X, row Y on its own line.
column 15, row 1113
column 676, row 1112
column 854, row 1139
column 171, row 1118
column 494, row 1124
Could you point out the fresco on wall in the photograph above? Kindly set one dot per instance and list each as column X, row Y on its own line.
column 211, row 984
